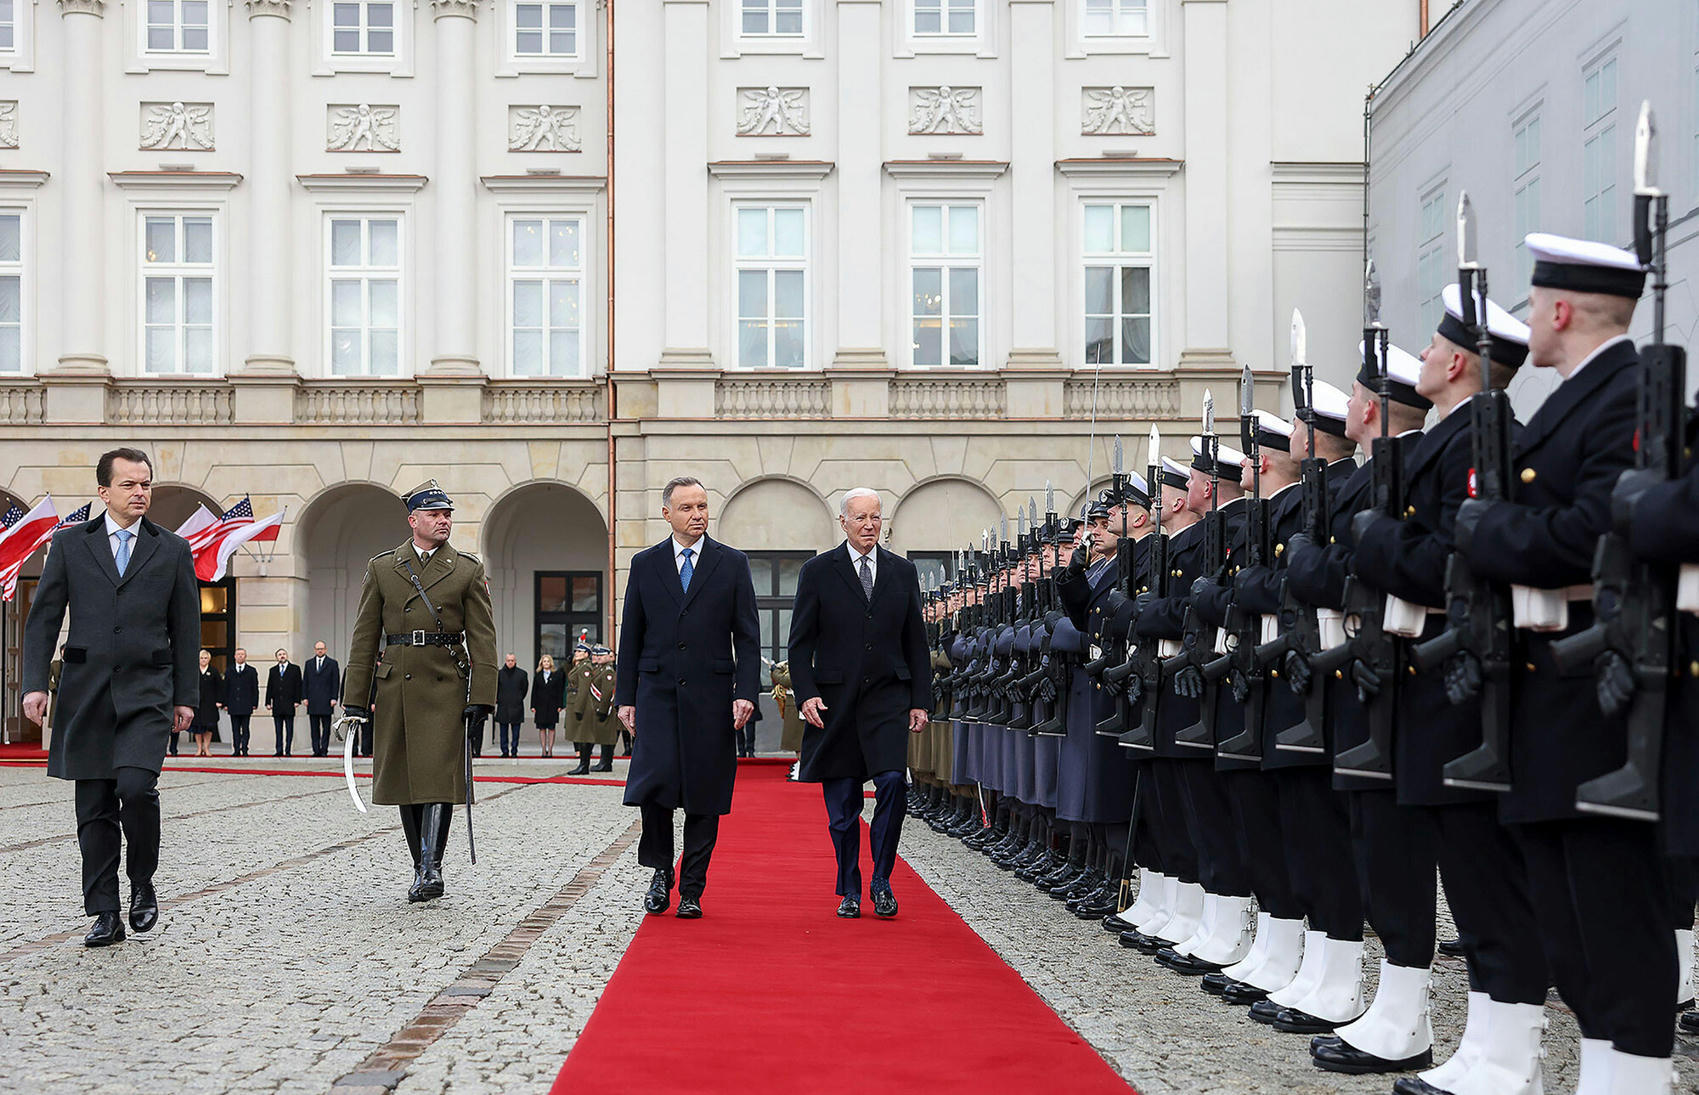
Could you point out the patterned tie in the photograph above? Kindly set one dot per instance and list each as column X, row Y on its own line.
column 123, row 558
column 866, row 579
column 685, row 571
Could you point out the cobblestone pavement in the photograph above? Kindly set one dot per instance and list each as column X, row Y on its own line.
column 287, row 958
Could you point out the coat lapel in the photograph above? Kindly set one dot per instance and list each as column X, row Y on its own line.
column 666, row 571
column 882, row 577
column 147, row 542
column 707, row 558
column 1571, row 394
column 841, row 564
column 101, row 550
column 1434, row 442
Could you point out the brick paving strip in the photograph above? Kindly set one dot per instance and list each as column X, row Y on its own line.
column 386, row 1066
column 169, row 819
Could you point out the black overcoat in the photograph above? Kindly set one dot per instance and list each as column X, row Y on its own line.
column 547, row 697
column 683, row 658
column 511, row 685
column 283, row 689
column 322, row 688
column 866, row 658
column 1095, row 778
column 133, row 652
column 206, row 711
column 1165, row 618
column 242, row 689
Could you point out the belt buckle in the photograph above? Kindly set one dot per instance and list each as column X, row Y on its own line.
column 418, row 638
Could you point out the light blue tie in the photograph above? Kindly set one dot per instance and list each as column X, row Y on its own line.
column 123, row 557
column 685, row 571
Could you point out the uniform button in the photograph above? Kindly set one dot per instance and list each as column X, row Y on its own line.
column 407, row 676
column 1694, row 669
column 117, row 631
column 1530, row 667
column 682, row 682
column 681, row 646
column 1412, row 671
column 1528, row 475
column 869, row 646
column 1338, row 674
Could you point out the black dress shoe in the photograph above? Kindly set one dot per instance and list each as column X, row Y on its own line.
column 689, row 909
column 1242, row 993
column 1266, row 1011
column 107, row 930
column 884, row 904
column 1185, row 963
column 850, row 908
column 1321, row 1040
column 1415, row 1085
column 1145, row 944
column 1293, row 1021
column 1689, row 1023
column 1216, row 983
column 604, row 766
column 1348, row 1059
column 1453, row 948
column 660, row 895
column 144, row 907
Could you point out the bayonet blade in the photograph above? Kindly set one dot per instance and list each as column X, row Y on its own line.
column 1003, row 529
column 1371, row 295
column 1300, row 341
column 1247, row 394
column 1465, row 233
column 1032, row 511
column 1208, row 412
column 1020, row 524
column 1049, row 497
column 1115, row 465
column 1646, row 152
column 1155, row 450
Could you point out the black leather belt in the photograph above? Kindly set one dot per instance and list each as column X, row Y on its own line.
column 424, row 638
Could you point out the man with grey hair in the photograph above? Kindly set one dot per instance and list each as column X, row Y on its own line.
column 689, row 655
column 863, row 675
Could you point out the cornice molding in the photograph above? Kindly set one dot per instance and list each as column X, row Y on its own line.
column 544, row 184
column 362, row 184
column 96, row 8
column 945, row 169
column 1120, row 167
column 175, row 180
column 19, row 178
column 276, row 8
column 770, row 169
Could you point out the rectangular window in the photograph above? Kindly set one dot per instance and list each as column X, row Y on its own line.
column 944, row 18
column 944, row 280
column 934, row 567
column 178, row 269
column 1525, row 141
column 1431, row 270
column 1598, row 152
column 545, row 28
column 363, row 289
column 1117, row 18
column 774, row 573
column 568, row 608
column 11, row 291
column 176, row 26
column 772, row 18
column 545, row 295
column 1119, row 268
column 362, row 28
column 772, row 286
column 8, row 25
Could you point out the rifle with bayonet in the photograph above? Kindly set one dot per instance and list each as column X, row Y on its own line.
column 1054, row 666
column 1197, row 643
column 1476, row 647
column 1143, row 657
column 1632, row 641
column 1114, row 648
column 1020, row 658
column 1245, row 675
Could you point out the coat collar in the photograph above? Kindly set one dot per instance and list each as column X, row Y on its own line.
column 147, row 542
column 882, row 568
column 1575, row 392
column 440, row 565
column 707, row 558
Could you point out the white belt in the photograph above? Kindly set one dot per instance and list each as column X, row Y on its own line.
column 1167, row 648
column 1406, row 619
column 1687, row 588
column 1270, row 629
column 1331, row 623
column 1545, row 609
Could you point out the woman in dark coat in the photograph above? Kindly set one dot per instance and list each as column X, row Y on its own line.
column 548, row 692
column 206, row 711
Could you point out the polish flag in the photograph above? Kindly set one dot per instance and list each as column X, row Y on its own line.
column 215, row 541
column 20, row 541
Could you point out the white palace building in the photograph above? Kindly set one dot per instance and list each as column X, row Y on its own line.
column 554, row 252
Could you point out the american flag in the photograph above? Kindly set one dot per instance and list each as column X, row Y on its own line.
column 20, row 539
column 10, row 517
column 77, row 517
column 214, row 539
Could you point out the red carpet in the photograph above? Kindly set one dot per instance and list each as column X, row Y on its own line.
column 22, row 750
column 770, row 992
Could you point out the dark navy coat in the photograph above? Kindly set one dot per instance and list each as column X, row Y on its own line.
column 1095, row 782
column 242, row 689
column 323, row 687
column 1165, row 618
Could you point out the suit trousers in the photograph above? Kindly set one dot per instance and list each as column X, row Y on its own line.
column 284, row 726
column 1317, row 832
column 1601, row 905
column 1209, row 820
column 1486, row 886
column 655, row 846
column 320, row 727
column 843, row 817
column 509, row 732
column 1167, row 815
column 111, row 813
column 1256, row 816
column 239, row 734
column 1397, row 853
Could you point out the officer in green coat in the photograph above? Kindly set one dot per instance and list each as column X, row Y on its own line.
column 427, row 607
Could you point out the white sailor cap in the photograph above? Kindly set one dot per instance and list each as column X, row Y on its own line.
column 1402, row 370
column 1331, row 408
column 1272, row 431
column 1175, row 474
column 1582, row 266
column 1228, row 460
column 1509, row 335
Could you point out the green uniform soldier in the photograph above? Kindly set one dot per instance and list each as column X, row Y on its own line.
column 427, row 607
column 575, row 708
column 603, row 725
column 790, row 737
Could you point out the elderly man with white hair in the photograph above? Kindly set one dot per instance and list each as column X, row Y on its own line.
column 863, row 680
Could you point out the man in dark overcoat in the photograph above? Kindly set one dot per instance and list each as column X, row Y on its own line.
column 283, row 694
column 321, row 680
column 241, row 696
column 511, row 683
column 689, row 653
column 863, row 678
column 130, row 678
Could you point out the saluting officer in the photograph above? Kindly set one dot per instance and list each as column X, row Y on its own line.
column 427, row 606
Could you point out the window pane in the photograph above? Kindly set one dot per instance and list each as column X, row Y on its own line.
column 197, row 300
column 11, row 238
column 551, row 593
column 345, row 351
column 789, row 570
column 751, row 293
column 1099, row 290
column 198, row 351
column 754, row 22
column 1135, row 291
column 161, row 300
column 385, row 242
column 1099, row 229
column 752, row 343
column 194, row 12
column 11, row 299
column 752, row 233
column 11, row 349
column 964, row 292
column 194, row 39
column 528, row 352
column 560, row 43
column 788, row 293
column 161, row 349
column 927, row 22
column 788, row 22
column 787, row 343
column 527, row 243
column 563, row 243
column 961, row 22
column 563, row 353
column 928, row 229
column 528, row 15
column 197, row 239
column 161, row 239
column 964, row 230
column 787, row 233
column 1135, row 342
column 386, row 353
column 585, row 595
column 380, row 41
column 386, row 310
column 346, row 41
column 928, row 291
column 964, row 342
column 345, row 15
column 1135, row 229
column 529, row 41
column 928, row 342
column 345, row 243
column 380, row 15
column 160, row 39
column 1098, row 346
column 562, row 16
column 346, row 307
column 563, row 304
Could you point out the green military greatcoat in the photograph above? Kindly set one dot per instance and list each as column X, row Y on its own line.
column 419, row 741
column 600, row 727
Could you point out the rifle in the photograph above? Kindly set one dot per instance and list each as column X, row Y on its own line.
column 1020, row 660
column 1478, row 639
column 1143, row 653
column 1635, row 602
column 1245, row 628
column 1054, row 665
column 1198, row 642
column 1115, row 652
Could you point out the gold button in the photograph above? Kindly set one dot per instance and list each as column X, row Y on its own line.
column 1339, row 674
column 1278, row 548
column 1412, row 671
column 1410, row 511
column 1694, row 669
column 1333, row 539
column 1531, row 667
column 1275, row 673
column 1528, row 475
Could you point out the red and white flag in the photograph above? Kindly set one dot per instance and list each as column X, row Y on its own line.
column 215, row 540
column 20, row 540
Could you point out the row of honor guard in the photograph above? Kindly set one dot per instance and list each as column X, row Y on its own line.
column 1284, row 689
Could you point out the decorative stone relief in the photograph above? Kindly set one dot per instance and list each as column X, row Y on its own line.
column 772, row 111
column 362, row 127
column 186, row 126
column 944, row 109
column 1117, row 111
column 8, row 123
column 544, row 128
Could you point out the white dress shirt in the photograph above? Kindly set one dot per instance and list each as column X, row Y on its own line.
column 695, row 553
column 424, row 556
column 113, row 540
column 1597, row 350
column 855, row 558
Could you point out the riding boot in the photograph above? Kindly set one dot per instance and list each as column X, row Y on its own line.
column 433, row 834
column 410, row 827
column 607, row 761
column 583, row 761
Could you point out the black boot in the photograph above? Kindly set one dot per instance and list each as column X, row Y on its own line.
column 410, row 827
column 433, row 834
column 583, row 768
column 607, row 763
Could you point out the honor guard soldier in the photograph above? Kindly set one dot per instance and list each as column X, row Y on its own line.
column 601, row 728
column 426, row 605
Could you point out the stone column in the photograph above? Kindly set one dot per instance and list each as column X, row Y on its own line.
column 861, row 307
column 1032, row 183
column 684, row 72
column 1206, row 338
column 82, row 193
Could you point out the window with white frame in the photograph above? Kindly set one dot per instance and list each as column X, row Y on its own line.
column 545, row 295
column 9, row 25
column 1525, row 143
column 1598, row 152
column 1431, row 270
column 1119, row 283
column 362, row 28
column 945, row 18
column 1117, row 18
column 772, row 286
column 771, row 18
column 545, row 29
column 945, row 260
column 178, row 268
column 11, row 291
column 363, row 292
column 176, row 26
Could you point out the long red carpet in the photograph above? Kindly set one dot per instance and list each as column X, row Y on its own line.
column 771, row 992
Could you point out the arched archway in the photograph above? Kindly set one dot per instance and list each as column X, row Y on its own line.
column 174, row 503
column 940, row 517
column 776, row 514
column 546, row 553
column 339, row 531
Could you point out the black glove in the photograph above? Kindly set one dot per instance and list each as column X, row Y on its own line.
column 1298, row 541
column 349, row 712
column 1201, row 585
column 1462, row 678
column 1077, row 562
column 1188, row 682
column 1469, row 515
column 1047, row 690
column 1110, row 688
column 1361, row 522
column 1135, row 689
column 1626, row 495
column 1297, row 669
column 1142, row 601
column 477, row 713
column 1246, row 576
column 1615, row 680
column 1239, row 684
column 1368, row 681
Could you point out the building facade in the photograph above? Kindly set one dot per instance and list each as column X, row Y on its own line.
column 554, row 252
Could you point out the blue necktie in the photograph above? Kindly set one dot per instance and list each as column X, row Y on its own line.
column 123, row 558
column 686, row 570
